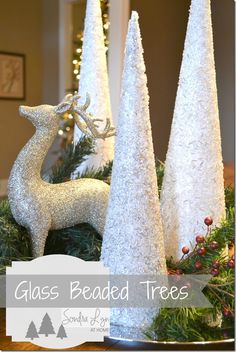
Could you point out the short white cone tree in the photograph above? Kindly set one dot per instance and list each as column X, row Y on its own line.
column 193, row 185
column 133, row 238
column 94, row 81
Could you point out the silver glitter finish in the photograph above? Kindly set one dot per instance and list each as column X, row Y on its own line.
column 40, row 206
column 133, row 238
column 193, row 185
column 89, row 124
column 94, row 79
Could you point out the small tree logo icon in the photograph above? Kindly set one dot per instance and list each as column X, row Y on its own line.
column 46, row 327
column 32, row 332
column 61, row 332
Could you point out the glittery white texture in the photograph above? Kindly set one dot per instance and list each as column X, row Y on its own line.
column 133, row 238
column 40, row 206
column 193, row 185
column 94, row 80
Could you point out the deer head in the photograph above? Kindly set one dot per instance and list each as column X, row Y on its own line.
column 49, row 116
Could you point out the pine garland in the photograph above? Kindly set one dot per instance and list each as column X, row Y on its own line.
column 171, row 324
column 190, row 324
column 80, row 241
column 181, row 324
column 103, row 173
column 70, row 159
column 15, row 241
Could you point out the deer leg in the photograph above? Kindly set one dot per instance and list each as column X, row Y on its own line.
column 38, row 239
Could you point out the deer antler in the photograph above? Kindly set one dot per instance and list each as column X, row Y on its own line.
column 89, row 126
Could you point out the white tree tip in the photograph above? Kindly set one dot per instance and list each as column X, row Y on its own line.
column 93, row 1
column 134, row 16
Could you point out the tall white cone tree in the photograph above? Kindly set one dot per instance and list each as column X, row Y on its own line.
column 193, row 185
column 133, row 238
column 94, row 81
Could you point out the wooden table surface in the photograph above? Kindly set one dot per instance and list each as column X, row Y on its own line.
column 229, row 174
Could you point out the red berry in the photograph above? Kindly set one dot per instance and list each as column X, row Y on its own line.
column 200, row 238
column 226, row 312
column 214, row 272
column 185, row 250
column 230, row 264
column 208, row 221
column 198, row 265
column 216, row 264
column 201, row 251
column 214, row 245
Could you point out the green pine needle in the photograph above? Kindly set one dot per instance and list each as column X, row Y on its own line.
column 103, row 173
column 160, row 168
column 71, row 158
column 14, row 239
column 80, row 241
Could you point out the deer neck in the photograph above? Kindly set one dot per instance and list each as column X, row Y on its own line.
column 28, row 165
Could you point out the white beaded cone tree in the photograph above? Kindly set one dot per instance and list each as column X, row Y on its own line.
column 193, row 185
column 94, row 81
column 133, row 238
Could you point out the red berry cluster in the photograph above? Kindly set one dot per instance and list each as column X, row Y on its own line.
column 216, row 266
column 203, row 246
column 201, row 249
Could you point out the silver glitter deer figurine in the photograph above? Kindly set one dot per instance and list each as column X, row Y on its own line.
column 40, row 206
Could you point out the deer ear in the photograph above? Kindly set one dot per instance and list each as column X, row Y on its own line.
column 68, row 97
column 62, row 107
